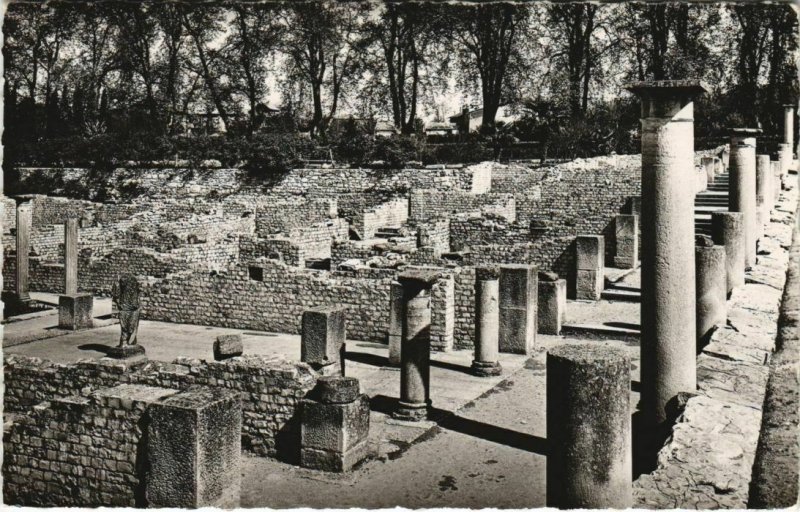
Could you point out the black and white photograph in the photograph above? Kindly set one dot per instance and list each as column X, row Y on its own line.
column 329, row 254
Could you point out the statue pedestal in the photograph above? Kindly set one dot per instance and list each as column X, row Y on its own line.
column 126, row 352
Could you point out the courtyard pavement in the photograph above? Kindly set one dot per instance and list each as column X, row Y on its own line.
column 484, row 445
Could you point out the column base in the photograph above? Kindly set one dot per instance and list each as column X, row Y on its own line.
column 411, row 412
column 486, row 368
column 126, row 352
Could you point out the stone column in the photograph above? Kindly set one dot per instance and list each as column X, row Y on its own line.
column 589, row 266
column 788, row 128
column 487, row 324
column 742, row 193
column 552, row 303
column 589, row 462
column 725, row 156
column 71, row 257
column 24, row 211
column 763, row 193
column 627, row 241
column 785, row 158
column 718, row 167
column 708, row 164
column 667, row 261
column 395, row 322
column 727, row 228
column 711, row 287
column 415, row 354
column 518, row 310
column 776, row 181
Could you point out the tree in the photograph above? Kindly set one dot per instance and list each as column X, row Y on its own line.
column 577, row 23
column 324, row 52
column 488, row 36
column 752, row 42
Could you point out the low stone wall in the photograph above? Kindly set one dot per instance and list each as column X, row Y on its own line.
column 391, row 214
column 279, row 216
column 425, row 204
column 270, row 389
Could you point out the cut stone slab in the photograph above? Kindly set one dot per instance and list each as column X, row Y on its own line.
column 333, row 437
column 733, row 382
column 323, row 339
column 75, row 311
column 194, row 450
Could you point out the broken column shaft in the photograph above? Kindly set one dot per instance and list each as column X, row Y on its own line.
column 711, row 288
column 727, row 228
column 788, row 127
column 667, row 260
column 71, row 256
column 487, row 324
column 588, row 428
column 763, row 184
column 742, row 193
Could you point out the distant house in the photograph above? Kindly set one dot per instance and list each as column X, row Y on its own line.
column 440, row 128
column 385, row 129
column 470, row 119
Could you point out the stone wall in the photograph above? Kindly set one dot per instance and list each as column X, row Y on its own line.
column 391, row 214
column 435, row 234
column 282, row 215
column 427, row 204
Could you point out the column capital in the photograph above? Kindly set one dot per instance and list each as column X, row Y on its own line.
column 745, row 132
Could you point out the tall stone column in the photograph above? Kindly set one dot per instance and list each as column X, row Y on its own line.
column 763, row 192
column 788, row 127
column 726, row 158
column 785, row 158
column 518, row 308
column 776, row 181
column 589, row 461
column 487, row 324
column 24, row 213
column 395, row 334
column 727, row 228
column 742, row 193
column 71, row 257
column 415, row 365
column 708, row 164
column 667, row 260
column 711, row 287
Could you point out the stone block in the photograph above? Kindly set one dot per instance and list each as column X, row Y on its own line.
column 323, row 338
column 518, row 292
column 75, row 311
column 337, row 389
column 126, row 352
column 552, row 306
column 194, row 450
column 588, row 284
column 333, row 437
column 589, row 252
column 627, row 241
column 227, row 346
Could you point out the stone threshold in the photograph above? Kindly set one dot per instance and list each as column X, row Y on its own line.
column 708, row 460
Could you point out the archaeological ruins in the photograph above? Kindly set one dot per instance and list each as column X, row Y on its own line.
column 358, row 273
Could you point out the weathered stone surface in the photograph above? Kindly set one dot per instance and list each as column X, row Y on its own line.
column 588, row 424
column 589, row 252
column 337, row 389
column 487, row 327
column 518, row 310
column 415, row 358
column 75, row 311
column 24, row 212
column 334, row 436
column 627, row 241
column 711, row 288
column 552, row 306
column 727, row 229
column 194, row 449
column 227, row 346
column 588, row 284
column 323, row 338
column 126, row 352
column 395, row 333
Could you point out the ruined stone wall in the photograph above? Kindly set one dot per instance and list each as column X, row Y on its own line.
column 391, row 214
column 9, row 214
column 276, row 303
column 427, row 204
column 280, row 216
column 469, row 230
column 271, row 388
column 282, row 249
column 435, row 234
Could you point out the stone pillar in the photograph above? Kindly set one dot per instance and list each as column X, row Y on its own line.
column 785, row 158
column 322, row 343
column 788, row 128
column 71, row 257
column 194, row 450
column 707, row 163
column 589, row 462
column 742, row 193
column 668, row 274
column 415, row 354
column 335, row 425
column 395, row 322
column 627, row 241
column 487, row 324
column 518, row 310
column 75, row 312
column 589, row 265
column 718, row 167
column 552, row 303
column 776, row 181
column 727, row 228
column 711, row 287
column 725, row 156
column 763, row 193
column 24, row 211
